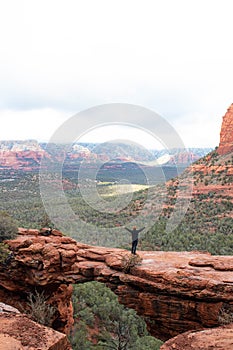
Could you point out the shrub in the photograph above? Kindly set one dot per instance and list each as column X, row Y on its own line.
column 129, row 261
column 225, row 315
column 148, row 343
column 40, row 311
column 4, row 253
column 8, row 227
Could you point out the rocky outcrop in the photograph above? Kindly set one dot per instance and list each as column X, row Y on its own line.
column 226, row 135
column 220, row 338
column 174, row 291
column 17, row 331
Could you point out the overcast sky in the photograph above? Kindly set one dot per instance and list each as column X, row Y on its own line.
column 59, row 57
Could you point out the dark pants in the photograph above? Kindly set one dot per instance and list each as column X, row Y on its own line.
column 134, row 246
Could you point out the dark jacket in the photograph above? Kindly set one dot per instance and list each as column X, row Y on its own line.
column 134, row 233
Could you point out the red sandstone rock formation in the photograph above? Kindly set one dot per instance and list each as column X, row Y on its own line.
column 226, row 135
column 28, row 160
column 212, row 174
column 24, row 155
column 19, row 332
column 220, row 338
column 184, row 158
column 174, row 291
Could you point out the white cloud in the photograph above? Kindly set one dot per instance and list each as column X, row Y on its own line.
column 199, row 130
column 113, row 133
column 174, row 57
column 31, row 124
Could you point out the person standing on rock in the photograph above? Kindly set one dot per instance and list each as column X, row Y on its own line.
column 134, row 233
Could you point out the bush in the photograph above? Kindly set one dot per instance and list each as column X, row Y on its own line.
column 129, row 261
column 40, row 311
column 4, row 253
column 8, row 227
column 225, row 314
column 148, row 343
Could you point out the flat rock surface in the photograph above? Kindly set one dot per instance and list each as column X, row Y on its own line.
column 17, row 332
column 220, row 338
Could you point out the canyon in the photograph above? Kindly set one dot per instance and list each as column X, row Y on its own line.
column 174, row 291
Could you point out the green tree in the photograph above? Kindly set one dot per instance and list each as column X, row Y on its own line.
column 123, row 331
column 78, row 337
column 148, row 343
column 118, row 328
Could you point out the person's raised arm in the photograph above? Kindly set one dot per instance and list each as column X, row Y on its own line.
column 128, row 229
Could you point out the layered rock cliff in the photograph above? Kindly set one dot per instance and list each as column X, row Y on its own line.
column 174, row 291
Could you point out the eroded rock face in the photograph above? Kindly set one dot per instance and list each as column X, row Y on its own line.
column 226, row 135
column 220, row 338
column 174, row 291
